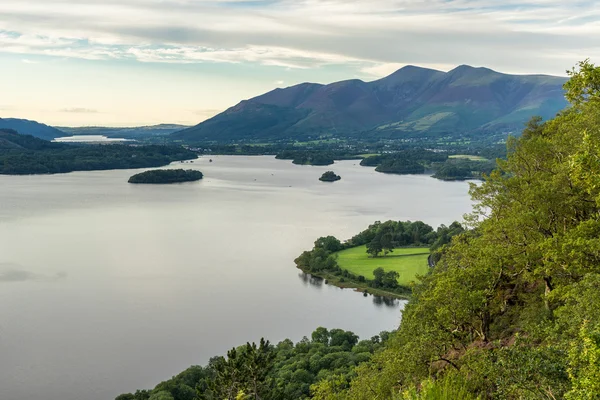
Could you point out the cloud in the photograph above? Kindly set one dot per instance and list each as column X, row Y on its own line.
column 372, row 35
column 10, row 272
column 79, row 110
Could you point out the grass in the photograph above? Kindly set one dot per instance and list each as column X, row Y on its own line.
column 408, row 262
column 468, row 157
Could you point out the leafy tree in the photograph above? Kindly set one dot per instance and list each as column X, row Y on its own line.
column 374, row 247
column 329, row 243
column 584, row 84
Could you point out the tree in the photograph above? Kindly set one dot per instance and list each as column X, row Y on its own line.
column 387, row 243
column 329, row 243
column 374, row 247
column 379, row 276
column 320, row 335
column 584, row 83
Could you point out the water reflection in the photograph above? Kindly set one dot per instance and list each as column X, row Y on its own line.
column 318, row 282
column 311, row 280
column 385, row 301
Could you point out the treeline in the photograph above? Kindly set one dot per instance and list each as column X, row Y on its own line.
column 419, row 161
column 462, row 169
column 315, row 157
column 379, row 238
column 270, row 372
column 23, row 155
column 512, row 308
column 165, row 176
column 413, row 161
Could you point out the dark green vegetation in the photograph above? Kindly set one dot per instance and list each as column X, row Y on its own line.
column 412, row 102
column 301, row 157
column 138, row 132
column 378, row 239
column 419, row 161
column 24, row 154
column 164, row 176
column 511, row 309
column 454, row 169
column 414, row 161
column 32, row 128
column 330, row 176
column 281, row 372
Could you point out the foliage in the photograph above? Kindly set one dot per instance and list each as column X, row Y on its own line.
column 412, row 161
column 378, row 238
column 22, row 155
column 511, row 306
column 166, row 176
column 330, row 176
column 281, row 372
column 461, row 169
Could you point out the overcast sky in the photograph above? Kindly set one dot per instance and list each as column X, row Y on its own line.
column 137, row 62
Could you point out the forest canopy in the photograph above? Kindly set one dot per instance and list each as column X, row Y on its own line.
column 26, row 155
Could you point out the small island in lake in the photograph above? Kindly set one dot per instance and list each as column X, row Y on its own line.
column 330, row 176
column 164, row 176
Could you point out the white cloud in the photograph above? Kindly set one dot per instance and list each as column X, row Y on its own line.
column 79, row 110
column 373, row 35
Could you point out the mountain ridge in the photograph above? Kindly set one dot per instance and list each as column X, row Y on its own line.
column 411, row 101
column 30, row 127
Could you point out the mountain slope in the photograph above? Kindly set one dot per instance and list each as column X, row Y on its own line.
column 33, row 128
column 411, row 101
column 12, row 140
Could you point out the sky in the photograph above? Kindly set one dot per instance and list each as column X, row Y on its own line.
column 145, row 62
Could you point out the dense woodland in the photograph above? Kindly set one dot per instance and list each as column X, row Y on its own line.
column 511, row 309
column 270, row 372
column 24, row 155
column 312, row 157
column 166, row 176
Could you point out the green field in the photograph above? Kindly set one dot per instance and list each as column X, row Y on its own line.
column 468, row 157
column 408, row 262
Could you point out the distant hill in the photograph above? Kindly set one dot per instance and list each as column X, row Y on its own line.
column 12, row 140
column 33, row 128
column 126, row 133
column 413, row 101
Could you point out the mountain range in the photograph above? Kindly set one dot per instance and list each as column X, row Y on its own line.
column 411, row 102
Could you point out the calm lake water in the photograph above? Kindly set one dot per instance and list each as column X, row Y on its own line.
column 106, row 287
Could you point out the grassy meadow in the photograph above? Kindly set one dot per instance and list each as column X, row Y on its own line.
column 408, row 262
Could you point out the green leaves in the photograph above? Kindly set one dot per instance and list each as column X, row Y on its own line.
column 584, row 84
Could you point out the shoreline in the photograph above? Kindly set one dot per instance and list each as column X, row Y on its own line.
column 359, row 287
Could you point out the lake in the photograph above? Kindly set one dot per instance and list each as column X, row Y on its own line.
column 92, row 139
column 107, row 287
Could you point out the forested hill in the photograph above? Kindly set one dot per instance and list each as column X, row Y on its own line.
column 25, row 154
column 33, row 128
column 412, row 101
column 510, row 311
